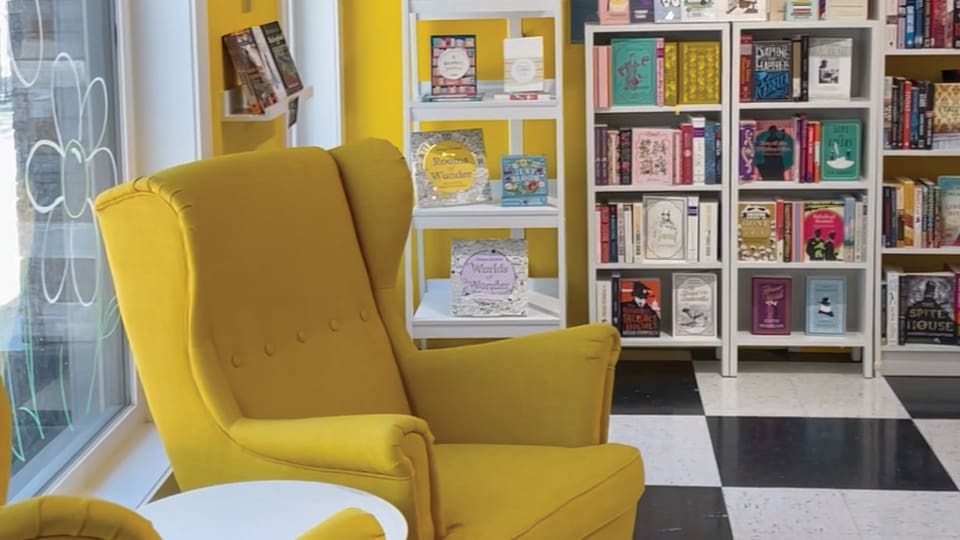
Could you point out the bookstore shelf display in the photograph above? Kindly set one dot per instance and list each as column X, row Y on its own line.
column 463, row 189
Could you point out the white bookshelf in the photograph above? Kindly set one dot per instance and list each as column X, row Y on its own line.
column 654, row 116
column 427, row 298
column 865, row 105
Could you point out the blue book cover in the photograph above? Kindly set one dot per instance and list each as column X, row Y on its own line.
column 634, row 71
column 710, row 151
column 826, row 306
column 771, row 70
column 849, row 229
column 666, row 11
column 524, row 181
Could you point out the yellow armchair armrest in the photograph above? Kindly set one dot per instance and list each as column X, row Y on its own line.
column 550, row 389
column 347, row 524
column 55, row 516
column 359, row 443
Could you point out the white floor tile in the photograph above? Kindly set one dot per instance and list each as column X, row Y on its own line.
column 897, row 515
column 749, row 394
column 847, row 395
column 676, row 450
column 764, row 513
column 943, row 436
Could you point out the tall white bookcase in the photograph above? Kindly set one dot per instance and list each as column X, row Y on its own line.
column 427, row 298
column 654, row 116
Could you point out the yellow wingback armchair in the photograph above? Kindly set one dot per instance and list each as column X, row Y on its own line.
column 259, row 293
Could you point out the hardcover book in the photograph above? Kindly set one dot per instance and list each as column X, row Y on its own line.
column 823, row 231
column 653, row 151
column 524, row 180
column 802, row 10
column 744, row 10
column 453, row 67
column 695, row 305
column 946, row 116
column 830, row 68
column 488, row 278
column 757, row 231
column 840, row 150
column 282, row 58
column 826, row 306
column 665, row 220
column 671, row 72
column 640, row 307
column 634, row 71
column 770, row 313
column 771, row 71
column 614, row 11
column 774, row 150
column 642, row 11
column 666, row 11
column 450, row 168
column 950, row 209
column 604, row 299
column 699, row 72
column 253, row 74
column 699, row 10
column 523, row 64
column 927, row 308
column 748, row 137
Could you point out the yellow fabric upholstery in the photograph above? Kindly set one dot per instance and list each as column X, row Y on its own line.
column 348, row 524
column 259, row 295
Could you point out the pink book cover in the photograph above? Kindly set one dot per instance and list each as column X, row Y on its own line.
column 614, row 11
column 770, row 307
column 822, row 231
column 775, row 150
column 604, row 80
column 653, row 156
column 660, row 72
column 677, row 156
column 596, row 77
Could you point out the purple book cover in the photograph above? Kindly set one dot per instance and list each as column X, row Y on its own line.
column 770, row 314
column 748, row 136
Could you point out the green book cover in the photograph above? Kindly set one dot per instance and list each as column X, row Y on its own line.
column 840, row 150
column 634, row 71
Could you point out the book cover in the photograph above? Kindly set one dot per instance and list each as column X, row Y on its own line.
column 634, row 71
column 836, row 10
column 826, row 306
column 640, row 307
column 823, row 231
column 771, row 71
column 757, row 231
column 252, row 73
column 699, row 72
column 946, row 116
column 830, row 68
column 604, row 293
column 524, row 180
column 949, row 210
column 840, row 142
column 709, row 231
column 653, row 156
column 699, row 10
column 770, row 303
column 665, row 220
column 774, row 150
column 745, row 10
column 488, row 278
column 268, row 61
column 613, row 11
column 671, row 72
column 453, row 68
column 450, row 168
column 642, row 11
column 694, row 305
column 523, row 64
column 666, row 11
column 802, row 10
column 927, row 308
column 282, row 57
column 748, row 137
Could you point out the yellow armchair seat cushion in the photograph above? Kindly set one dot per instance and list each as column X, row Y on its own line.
column 533, row 492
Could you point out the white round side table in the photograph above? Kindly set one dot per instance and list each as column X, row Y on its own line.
column 268, row 510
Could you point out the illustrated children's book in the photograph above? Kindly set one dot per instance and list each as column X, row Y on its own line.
column 524, row 181
column 453, row 69
column 840, row 150
column 826, row 305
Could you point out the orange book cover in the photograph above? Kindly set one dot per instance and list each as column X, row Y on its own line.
column 640, row 307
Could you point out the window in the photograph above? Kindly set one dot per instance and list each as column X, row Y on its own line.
column 62, row 353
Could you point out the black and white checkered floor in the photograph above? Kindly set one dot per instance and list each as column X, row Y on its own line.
column 791, row 451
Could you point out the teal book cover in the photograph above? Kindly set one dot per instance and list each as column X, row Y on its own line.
column 634, row 71
column 840, row 150
column 949, row 209
column 524, row 181
column 826, row 306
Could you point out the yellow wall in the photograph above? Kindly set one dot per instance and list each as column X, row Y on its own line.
column 223, row 17
column 374, row 108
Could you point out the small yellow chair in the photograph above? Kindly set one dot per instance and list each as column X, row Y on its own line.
column 259, row 293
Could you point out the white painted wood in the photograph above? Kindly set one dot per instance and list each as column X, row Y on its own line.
column 281, row 108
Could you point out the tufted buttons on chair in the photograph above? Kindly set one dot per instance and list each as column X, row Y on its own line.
column 301, row 336
column 268, row 349
column 334, row 325
column 364, row 315
column 235, row 361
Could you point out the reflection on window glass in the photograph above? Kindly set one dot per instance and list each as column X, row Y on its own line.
column 61, row 345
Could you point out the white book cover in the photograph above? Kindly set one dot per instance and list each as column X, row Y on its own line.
column 488, row 278
column 693, row 228
column 918, row 236
column 637, row 232
column 893, row 302
column 699, row 160
column 701, row 10
column 604, row 298
column 628, row 249
column 709, row 231
column 831, row 68
column 665, row 220
column 743, row 10
column 695, row 305
column 860, row 249
column 523, row 64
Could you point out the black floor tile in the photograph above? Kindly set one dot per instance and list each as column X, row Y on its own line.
column 692, row 513
column 645, row 387
column 928, row 397
column 826, row 453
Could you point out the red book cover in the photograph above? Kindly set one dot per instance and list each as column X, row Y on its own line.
column 779, row 227
column 604, row 233
column 770, row 313
column 640, row 307
column 905, row 122
column 799, row 127
column 746, row 67
column 660, row 72
column 811, row 135
column 823, row 231
column 686, row 167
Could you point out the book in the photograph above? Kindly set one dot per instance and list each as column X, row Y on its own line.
column 748, row 137
column 694, row 304
column 756, row 231
column 604, row 299
column 665, row 220
column 802, row 10
column 488, row 278
column 524, row 180
column 639, row 307
column 699, row 72
column 653, row 156
column 836, row 10
column 770, row 305
column 823, row 231
column 268, row 61
column 830, row 68
column 772, row 79
column 950, row 209
column 826, row 307
column 286, row 67
column 293, row 112
column 926, row 308
column 946, row 116
column 449, row 168
column 745, row 10
column 523, row 64
column 774, row 150
column 453, row 68
column 613, row 11
column 699, row 10
column 840, row 142
column 642, row 11
column 671, row 71
column 666, row 11
column 709, row 231
column 252, row 73
column 634, row 71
